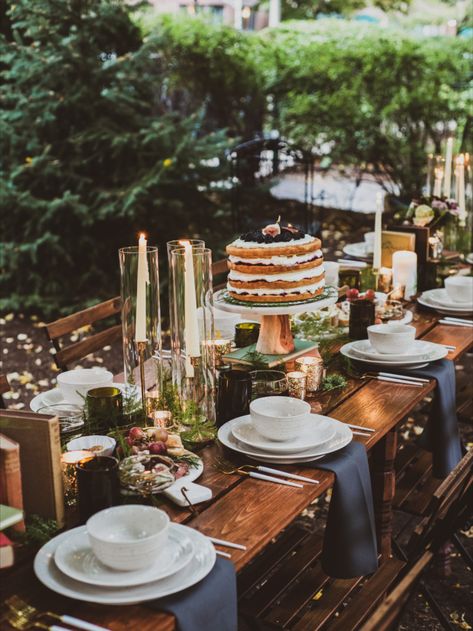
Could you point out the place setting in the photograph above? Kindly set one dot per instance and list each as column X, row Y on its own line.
column 454, row 299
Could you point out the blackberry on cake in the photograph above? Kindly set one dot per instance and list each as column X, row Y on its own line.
column 276, row 264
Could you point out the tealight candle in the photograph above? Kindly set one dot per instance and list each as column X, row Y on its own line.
column 385, row 277
column 217, row 349
column 297, row 382
column 313, row 367
column 162, row 418
column 152, row 401
column 405, row 272
column 69, row 460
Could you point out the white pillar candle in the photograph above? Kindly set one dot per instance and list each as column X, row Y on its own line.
column 405, row 272
column 378, row 228
column 142, row 280
column 448, row 167
column 460, row 187
column 438, row 181
column 274, row 13
column 191, row 325
column 237, row 17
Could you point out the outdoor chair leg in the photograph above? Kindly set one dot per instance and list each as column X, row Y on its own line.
column 467, row 558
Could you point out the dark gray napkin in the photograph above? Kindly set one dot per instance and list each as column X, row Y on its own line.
column 440, row 435
column 209, row 605
column 350, row 548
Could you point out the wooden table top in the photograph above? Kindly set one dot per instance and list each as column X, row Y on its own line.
column 252, row 512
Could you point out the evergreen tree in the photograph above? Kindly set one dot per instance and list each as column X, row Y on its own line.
column 89, row 154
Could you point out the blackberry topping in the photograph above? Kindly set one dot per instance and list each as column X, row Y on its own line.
column 285, row 237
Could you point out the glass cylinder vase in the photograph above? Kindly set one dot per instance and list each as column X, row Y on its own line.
column 192, row 330
column 146, row 352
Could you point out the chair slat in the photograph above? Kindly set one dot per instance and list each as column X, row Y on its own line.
column 79, row 350
column 75, row 321
column 219, row 267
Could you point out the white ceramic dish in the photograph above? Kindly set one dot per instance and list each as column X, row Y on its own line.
column 75, row 558
column 439, row 353
column 201, row 564
column 280, row 418
column 320, row 431
column 391, row 338
column 428, row 299
column 460, row 288
column 469, row 258
column 418, row 350
column 107, row 444
column 343, row 435
column 74, row 384
column 128, row 537
column 54, row 396
column 358, row 251
column 442, row 299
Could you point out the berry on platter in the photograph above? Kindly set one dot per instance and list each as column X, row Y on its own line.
column 369, row 295
column 352, row 294
column 136, row 433
column 157, row 448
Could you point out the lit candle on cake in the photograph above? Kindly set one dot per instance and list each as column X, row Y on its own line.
column 405, row 272
column 142, row 280
column 378, row 228
column 191, row 327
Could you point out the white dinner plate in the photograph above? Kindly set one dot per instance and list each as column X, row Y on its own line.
column 75, row 558
column 419, row 350
column 469, row 258
column 54, row 396
column 439, row 353
column 440, row 297
column 343, row 435
column 358, row 251
column 201, row 564
column 323, row 430
column 426, row 300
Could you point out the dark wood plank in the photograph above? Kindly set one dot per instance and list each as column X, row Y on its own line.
column 220, row 267
column 79, row 350
column 75, row 321
column 418, row 471
column 459, row 336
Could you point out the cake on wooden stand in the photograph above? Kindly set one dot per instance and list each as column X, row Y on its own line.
column 273, row 273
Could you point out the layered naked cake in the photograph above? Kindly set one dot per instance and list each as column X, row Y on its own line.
column 276, row 264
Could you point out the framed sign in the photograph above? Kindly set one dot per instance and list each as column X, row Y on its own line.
column 392, row 242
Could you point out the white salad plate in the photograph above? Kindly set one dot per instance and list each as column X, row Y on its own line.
column 469, row 258
column 343, row 435
column 348, row 350
column 323, row 430
column 430, row 299
column 418, row 350
column 441, row 298
column 54, row 396
column 200, row 565
column 358, row 251
column 75, row 558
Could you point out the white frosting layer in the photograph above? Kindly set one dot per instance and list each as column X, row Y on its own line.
column 295, row 259
column 289, row 276
column 278, row 292
column 239, row 243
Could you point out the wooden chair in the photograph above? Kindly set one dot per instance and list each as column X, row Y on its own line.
column 4, row 387
column 220, row 270
column 70, row 353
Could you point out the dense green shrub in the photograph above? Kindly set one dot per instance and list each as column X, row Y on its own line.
column 90, row 153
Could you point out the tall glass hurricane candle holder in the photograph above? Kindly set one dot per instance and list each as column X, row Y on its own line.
column 192, row 329
column 141, row 316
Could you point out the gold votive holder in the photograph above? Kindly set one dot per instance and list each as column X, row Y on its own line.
column 217, row 349
column 313, row 368
column 162, row 418
column 246, row 333
column 105, row 405
column 152, row 399
column 385, row 279
column 69, row 460
column 297, row 383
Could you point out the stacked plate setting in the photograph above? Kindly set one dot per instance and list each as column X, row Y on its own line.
column 442, row 302
column 68, row 564
column 283, row 430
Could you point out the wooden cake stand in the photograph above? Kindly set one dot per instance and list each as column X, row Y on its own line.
column 275, row 337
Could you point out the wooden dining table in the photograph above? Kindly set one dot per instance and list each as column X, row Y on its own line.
column 255, row 513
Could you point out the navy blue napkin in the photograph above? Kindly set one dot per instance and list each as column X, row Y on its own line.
column 440, row 435
column 211, row 604
column 349, row 548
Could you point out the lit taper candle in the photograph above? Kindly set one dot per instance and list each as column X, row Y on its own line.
column 142, row 280
column 191, row 327
column 378, row 228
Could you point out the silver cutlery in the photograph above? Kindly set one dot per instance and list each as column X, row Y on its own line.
column 292, row 476
column 363, row 434
column 221, row 553
column 401, row 382
column 408, row 377
column 228, row 544
column 452, row 319
column 468, row 325
column 363, row 429
column 250, row 471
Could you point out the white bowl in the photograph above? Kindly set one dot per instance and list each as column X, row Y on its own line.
column 106, row 444
column 74, row 384
column 128, row 537
column 391, row 338
column 280, row 418
column 460, row 288
column 369, row 242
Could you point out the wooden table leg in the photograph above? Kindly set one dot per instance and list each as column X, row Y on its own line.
column 384, row 486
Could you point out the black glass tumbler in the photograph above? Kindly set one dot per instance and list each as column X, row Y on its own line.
column 246, row 333
column 234, row 395
column 97, row 485
column 362, row 315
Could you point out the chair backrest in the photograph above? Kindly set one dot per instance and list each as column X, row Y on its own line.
column 386, row 616
column 220, row 270
column 447, row 504
column 4, row 387
column 67, row 354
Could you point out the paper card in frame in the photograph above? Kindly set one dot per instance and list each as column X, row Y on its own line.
column 392, row 242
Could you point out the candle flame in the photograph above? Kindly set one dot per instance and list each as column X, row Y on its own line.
column 184, row 242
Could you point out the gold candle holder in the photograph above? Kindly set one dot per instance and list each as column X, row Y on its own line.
column 69, row 460
column 297, row 384
column 313, row 367
column 162, row 418
column 385, row 279
column 153, row 398
column 216, row 350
